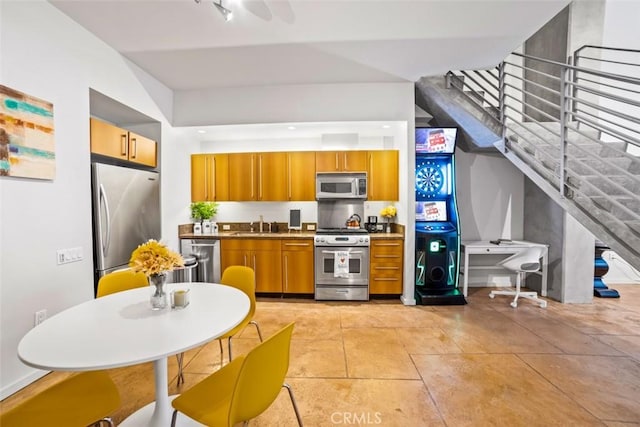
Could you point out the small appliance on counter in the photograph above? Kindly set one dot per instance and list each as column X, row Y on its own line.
column 371, row 224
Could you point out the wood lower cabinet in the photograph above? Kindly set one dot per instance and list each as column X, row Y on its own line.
column 209, row 177
column 297, row 266
column 112, row 141
column 385, row 274
column 263, row 255
column 382, row 172
column 341, row 161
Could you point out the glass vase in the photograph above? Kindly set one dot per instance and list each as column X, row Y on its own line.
column 159, row 296
column 388, row 228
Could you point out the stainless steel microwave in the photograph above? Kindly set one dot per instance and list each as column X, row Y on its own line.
column 346, row 185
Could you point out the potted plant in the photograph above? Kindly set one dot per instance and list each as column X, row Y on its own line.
column 203, row 211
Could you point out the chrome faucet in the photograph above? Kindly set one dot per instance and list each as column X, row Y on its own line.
column 261, row 224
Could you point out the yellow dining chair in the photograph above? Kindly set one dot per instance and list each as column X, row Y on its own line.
column 119, row 281
column 80, row 400
column 242, row 278
column 124, row 280
column 242, row 389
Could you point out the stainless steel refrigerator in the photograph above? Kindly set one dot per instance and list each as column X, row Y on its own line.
column 126, row 213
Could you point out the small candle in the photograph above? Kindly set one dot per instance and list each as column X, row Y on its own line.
column 180, row 298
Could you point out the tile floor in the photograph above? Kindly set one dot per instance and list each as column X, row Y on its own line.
column 483, row 364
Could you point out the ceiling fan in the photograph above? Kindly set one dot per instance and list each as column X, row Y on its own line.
column 263, row 9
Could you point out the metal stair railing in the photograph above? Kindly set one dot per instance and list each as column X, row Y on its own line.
column 576, row 125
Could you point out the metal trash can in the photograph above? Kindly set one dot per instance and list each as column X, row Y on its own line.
column 186, row 273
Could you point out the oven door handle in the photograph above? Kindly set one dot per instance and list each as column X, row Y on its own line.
column 335, row 252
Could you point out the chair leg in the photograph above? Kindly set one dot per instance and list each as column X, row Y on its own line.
column 254, row 323
column 180, row 358
column 230, row 349
column 221, row 353
column 174, row 417
column 519, row 277
column 293, row 402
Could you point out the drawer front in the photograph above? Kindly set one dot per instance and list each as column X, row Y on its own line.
column 251, row 244
column 385, row 285
column 297, row 245
column 386, row 270
column 386, row 248
column 337, row 293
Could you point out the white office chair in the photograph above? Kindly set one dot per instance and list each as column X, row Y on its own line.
column 527, row 261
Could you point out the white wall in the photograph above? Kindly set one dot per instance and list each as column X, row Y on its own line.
column 48, row 56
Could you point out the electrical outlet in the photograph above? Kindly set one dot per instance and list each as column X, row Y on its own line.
column 311, row 227
column 226, row 227
column 64, row 256
column 40, row 316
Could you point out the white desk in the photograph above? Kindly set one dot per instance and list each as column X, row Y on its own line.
column 487, row 248
column 122, row 330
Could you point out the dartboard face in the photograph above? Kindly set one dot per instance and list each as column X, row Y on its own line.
column 429, row 179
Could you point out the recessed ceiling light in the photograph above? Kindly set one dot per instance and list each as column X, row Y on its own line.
column 291, row 127
column 385, row 126
column 202, row 131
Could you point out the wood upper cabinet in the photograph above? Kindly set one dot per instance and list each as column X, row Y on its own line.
column 341, row 161
column 112, row 141
column 301, row 176
column 209, row 177
column 297, row 266
column 257, row 176
column 382, row 173
column 385, row 274
column 260, row 254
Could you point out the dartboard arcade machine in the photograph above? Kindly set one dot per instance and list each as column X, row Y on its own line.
column 437, row 228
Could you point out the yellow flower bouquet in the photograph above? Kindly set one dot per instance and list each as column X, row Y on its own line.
column 153, row 257
column 389, row 212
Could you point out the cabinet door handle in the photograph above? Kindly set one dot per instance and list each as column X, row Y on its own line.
column 123, row 144
column 206, row 178
column 387, row 244
column 386, row 256
column 289, row 176
column 337, row 161
column 260, row 177
column 286, row 273
column 387, row 268
column 346, row 164
column 252, row 178
column 255, row 270
column 297, row 244
column 134, row 141
column 213, row 179
column 244, row 257
column 370, row 184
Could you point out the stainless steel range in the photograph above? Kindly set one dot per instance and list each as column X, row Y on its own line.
column 341, row 251
column 342, row 265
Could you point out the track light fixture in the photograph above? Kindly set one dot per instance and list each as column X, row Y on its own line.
column 226, row 13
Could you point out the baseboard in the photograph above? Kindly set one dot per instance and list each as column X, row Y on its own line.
column 21, row 383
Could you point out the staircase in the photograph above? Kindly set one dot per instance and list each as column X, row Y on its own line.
column 574, row 131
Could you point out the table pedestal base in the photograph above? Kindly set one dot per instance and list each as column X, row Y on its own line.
column 142, row 417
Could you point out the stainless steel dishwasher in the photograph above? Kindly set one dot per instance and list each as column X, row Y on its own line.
column 207, row 252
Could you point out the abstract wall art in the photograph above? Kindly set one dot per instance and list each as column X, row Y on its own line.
column 27, row 146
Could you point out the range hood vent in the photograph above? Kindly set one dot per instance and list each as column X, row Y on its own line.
column 336, row 141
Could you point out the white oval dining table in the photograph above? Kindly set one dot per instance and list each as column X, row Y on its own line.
column 121, row 330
